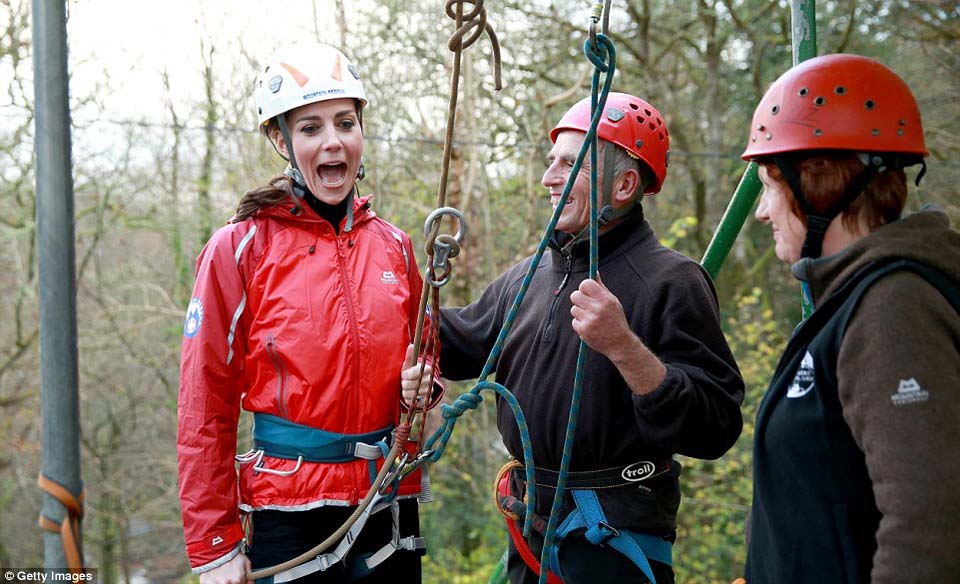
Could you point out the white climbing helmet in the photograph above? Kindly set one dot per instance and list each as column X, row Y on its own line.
column 304, row 74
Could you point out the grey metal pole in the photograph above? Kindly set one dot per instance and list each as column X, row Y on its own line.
column 57, row 265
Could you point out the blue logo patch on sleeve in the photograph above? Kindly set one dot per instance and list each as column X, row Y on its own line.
column 194, row 318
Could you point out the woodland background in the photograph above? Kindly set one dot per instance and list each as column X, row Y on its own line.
column 151, row 189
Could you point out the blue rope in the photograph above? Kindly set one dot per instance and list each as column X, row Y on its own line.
column 603, row 58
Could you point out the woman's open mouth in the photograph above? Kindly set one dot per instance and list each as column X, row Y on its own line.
column 332, row 175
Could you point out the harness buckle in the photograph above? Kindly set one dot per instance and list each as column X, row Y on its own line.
column 608, row 529
column 324, row 562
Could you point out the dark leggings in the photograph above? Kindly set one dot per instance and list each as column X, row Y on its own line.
column 583, row 562
column 281, row 535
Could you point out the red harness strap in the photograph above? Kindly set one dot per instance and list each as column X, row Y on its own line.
column 503, row 490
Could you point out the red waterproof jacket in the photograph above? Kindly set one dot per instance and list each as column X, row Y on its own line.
column 290, row 319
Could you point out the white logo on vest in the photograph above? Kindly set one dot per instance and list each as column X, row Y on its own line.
column 909, row 392
column 803, row 381
column 638, row 471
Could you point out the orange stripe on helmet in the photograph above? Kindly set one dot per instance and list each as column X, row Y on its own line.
column 299, row 77
column 337, row 73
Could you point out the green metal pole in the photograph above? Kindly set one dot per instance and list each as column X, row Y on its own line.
column 803, row 15
column 804, row 33
column 732, row 221
column 499, row 575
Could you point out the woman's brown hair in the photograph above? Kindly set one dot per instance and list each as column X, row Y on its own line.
column 275, row 192
column 824, row 179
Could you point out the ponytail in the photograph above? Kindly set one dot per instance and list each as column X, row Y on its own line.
column 278, row 190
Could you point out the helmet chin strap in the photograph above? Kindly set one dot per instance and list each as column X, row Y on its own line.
column 292, row 170
column 608, row 213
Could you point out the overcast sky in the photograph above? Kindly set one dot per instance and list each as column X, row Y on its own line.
column 135, row 40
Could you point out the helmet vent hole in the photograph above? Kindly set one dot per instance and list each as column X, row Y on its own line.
column 869, row 104
column 653, row 127
column 640, row 119
column 659, row 122
column 840, row 90
column 634, row 106
column 818, row 132
column 875, row 132
column 819, row 100
column 769, row 136
column 775, row 109
column 803, row 91
column 900, row 132
column 648, row 112
column 902, row 122
column 661, row 136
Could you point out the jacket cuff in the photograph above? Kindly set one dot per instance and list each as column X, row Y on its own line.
column 206, row 555
column 672, row 380
column 219, row 561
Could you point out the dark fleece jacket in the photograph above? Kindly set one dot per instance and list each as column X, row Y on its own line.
column 671, row 305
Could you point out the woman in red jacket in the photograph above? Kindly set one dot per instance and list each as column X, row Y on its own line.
column 302, row 313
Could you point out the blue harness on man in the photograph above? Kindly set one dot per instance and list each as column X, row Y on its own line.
column 280, row 438
column 589, row 516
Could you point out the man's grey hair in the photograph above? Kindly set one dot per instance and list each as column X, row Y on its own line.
column 622, row 162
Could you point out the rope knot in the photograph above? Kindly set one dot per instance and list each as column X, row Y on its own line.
column 401, row 436
column 464, row 402
column 475, row 20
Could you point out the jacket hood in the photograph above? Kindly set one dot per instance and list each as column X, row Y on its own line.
column 924, row 237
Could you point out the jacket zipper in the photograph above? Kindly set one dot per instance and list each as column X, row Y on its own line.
column 548, row 331
column 274, row 355
column 351, row 313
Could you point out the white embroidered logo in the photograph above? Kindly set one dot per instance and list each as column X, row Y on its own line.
column 389, row 278
column 909, row 392
column 803, row 381
column 638, row 471
column 216, row 540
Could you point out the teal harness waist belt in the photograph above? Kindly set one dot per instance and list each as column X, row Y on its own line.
column 281, row 438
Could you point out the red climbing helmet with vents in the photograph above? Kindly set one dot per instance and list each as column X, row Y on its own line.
column 629, row 122
column 837, row 102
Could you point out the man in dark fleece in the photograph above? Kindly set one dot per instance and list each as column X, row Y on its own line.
column 855, row 449
column 659, row 378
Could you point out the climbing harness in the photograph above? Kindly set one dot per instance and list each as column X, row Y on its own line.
column 587, row 514
column 280, row 438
